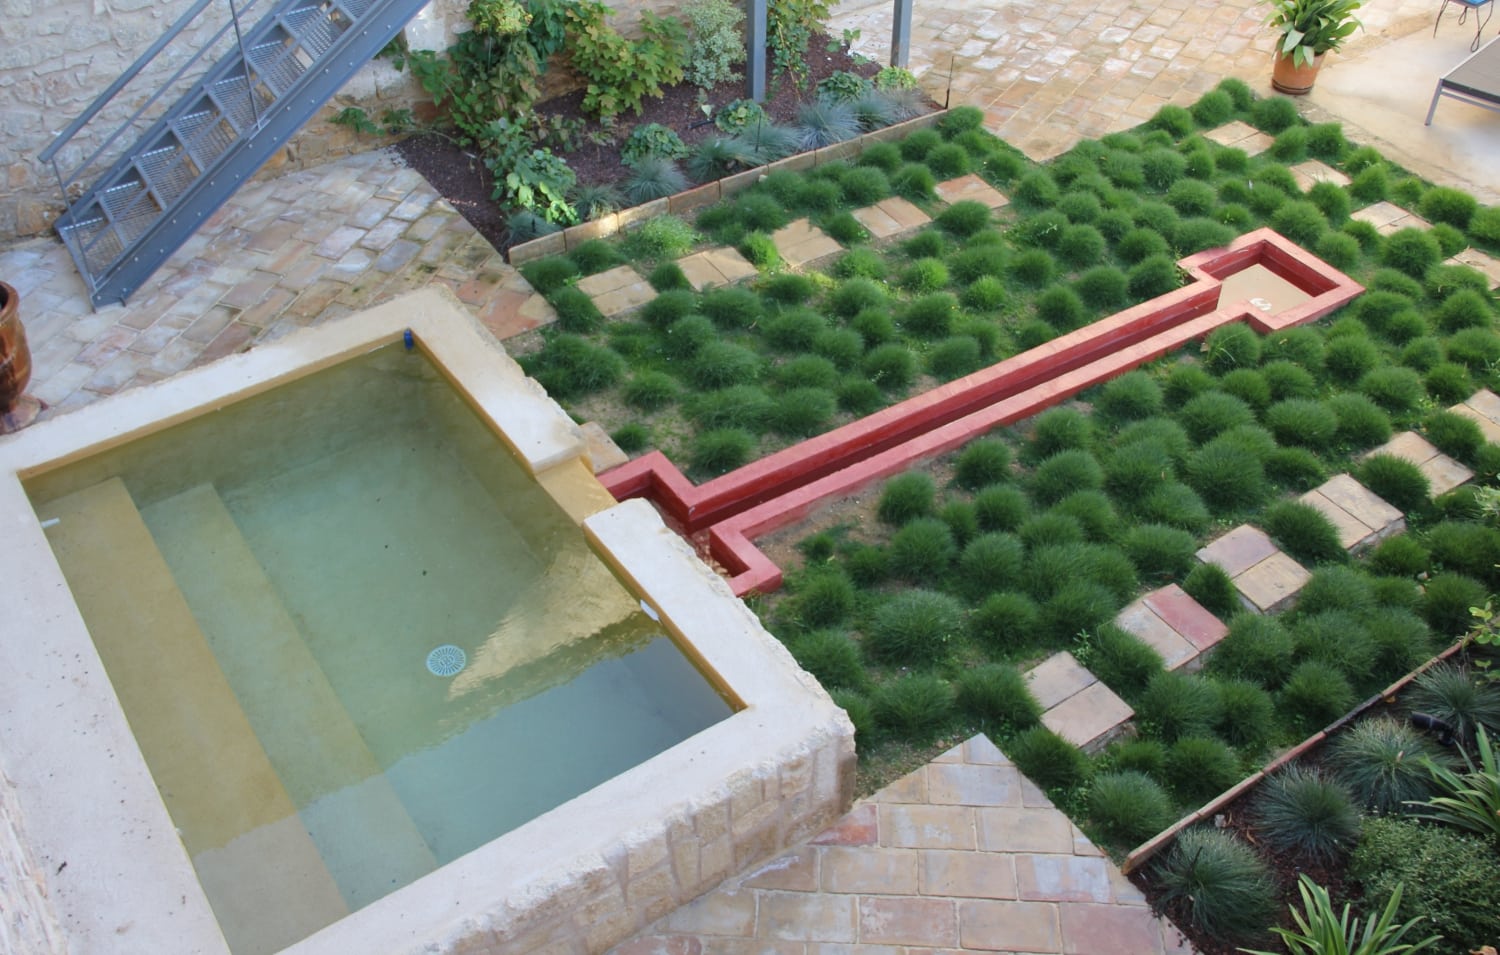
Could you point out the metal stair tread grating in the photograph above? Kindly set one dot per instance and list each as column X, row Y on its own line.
column 232, row 95
column 206, row 135
column 93, row 241
column 276, row 64
column 316, row 28
column 168, row 172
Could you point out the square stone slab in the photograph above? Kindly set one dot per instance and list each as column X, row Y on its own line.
column 1090, row 718
column 1241, row 135
column 971, row 188
column 617, row 291
column 1143, row 622
column 1365, row 505
column 1238, row 550
column 1057, row 678
column 1485, row 402
column 1186, row 616
column 714, row 267
column 1487, row 425
column 1475, row 259
column 1388, row 217
column 802, row 242
column 890, row 217
column 1443, row 473
column 1314, row 171
column 602, row 450
column 1272, row 584
column 1352, row 533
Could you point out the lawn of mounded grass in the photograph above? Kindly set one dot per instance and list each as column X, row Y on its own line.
column 921, row 611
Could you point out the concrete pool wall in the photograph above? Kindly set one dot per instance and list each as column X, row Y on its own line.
column 95, row 864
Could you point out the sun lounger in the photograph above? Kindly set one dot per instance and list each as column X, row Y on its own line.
column 1476, row 80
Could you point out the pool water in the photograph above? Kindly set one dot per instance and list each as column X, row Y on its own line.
column 265, row 587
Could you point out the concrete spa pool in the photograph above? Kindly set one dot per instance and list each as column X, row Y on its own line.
column 338, row 646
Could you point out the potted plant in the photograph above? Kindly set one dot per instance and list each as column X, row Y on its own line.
column 1309, row 29
column 16, row 409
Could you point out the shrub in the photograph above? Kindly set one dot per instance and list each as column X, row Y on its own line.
column 1451, row 206
column 1063, row 473
column 1338, row 250
column 1465, row 308
column 1232, row 346
column 1192, row 197
column 914, row 705
column 1138, row 469
column 1152, row 276
column 1335, row 587
column 924, row 275
column 1316, row 694
column 1256, row 648
column 1446, row 877
column 1080, row 245
column 1048, row 760
column 1138, row 245
column 1228, row 892
column 914, row 628
column 1305, row 815
column 1033, row 267
column 1247, row 715
column 1160, row 553
column 1227, row 477
column 1198, row 768
column 1290, row 145
column 1303, row 532
column 1005, row 621
column 1211, row 586
column 998, row 697
column 831, row 657
column 1412, row 251
column 991, row 562
column 1128, row 807
column 1001, row 508
column 1334, row 203
column 1212, row 413
column 1457, row 698
column 721, row 450
column 1121, row 660
column 905, row 498
column 1131, row 396
column 1060, row 429
column 1175, row 705
column 1349, row 357
column 1381, row 761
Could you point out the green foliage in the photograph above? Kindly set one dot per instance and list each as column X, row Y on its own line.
column 663, row 237
column 621, row 73
column 913, row 181
column 1458, row 698
column 721, row 450
column 650, row 390
column 830, row 656
column 907, row 497
column 1123, row 662
column 998, row 697
column 922, row 550
column 1198, row 768
column 1316, row 694
column 982, row 462
column 914, row 628
column 1447, row 877
column 1303, row 532
column 1228, row 892
column 1048, row 760
column 1321, row 930
column 1159, row 552
column 1397, row 480
column 1301, row 813
column 1381, row 762
column 1175, row 705
column 1152, row 276
column 1128, row 807
column 823, row 122
column 576, row 312
column 1247, row 715
column 536, row 181
column 1213, row 413
column 652, row 139
column 741, row 114
column 1412, row 251
column 717, row 44
column 916, row 705
column 1211, row 586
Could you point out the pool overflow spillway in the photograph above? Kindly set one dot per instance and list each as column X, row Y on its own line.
column 1261, row 279
column 386, row 648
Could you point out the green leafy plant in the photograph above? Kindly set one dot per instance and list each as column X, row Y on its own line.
column 621, row 73
column 1302, row 813
column 718, row 43
column 790, row 25
column 537, row 181
column 655, row 140
column 1321, row 930
column 739, row 115
column 1468, row 800
column 1228, row 892
column 1449, row 876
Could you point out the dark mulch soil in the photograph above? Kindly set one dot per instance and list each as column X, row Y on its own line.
column 460, row 176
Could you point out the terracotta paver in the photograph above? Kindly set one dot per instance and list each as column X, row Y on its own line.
column 1241, row 135
column 890, row 217
column 994, row 868
column 1175, row 649
column 1362, row 517
column 1476, row 259
column 1267, row 579
column 1387, row 217
column 1442, row 472
column 971, row 188
column 1315, row 171
column 1483, row 408
column 1239, row 550
column 617, row 291
column 802, row 243
column 1174, row 625
column 714, row 267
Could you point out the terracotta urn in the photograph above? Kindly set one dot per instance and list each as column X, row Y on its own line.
column 16, row 410
column 1287, row 77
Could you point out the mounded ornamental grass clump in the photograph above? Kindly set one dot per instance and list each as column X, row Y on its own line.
column 832, row 657
column 1458, row 698
column 1001, row 508
column 1316, row 694
column 1471, row 549
column 1397, row 481
column 990, row 562
column 907, row 497
column 1228, row 892
column 981, row 463
column 998, row 697
column 721, row 450
column 651, row 390
column 1380, row 761
column 1129, row 397
column 1212, row 413
column 1247, row 715
column 1175, row 705
column 1128, row 807
column 1064, row 473
column 1256, row 648
column 1198, row 768
column 916, row 705
column 1210, row 586
column 891, row 366
column 1123, row 662
column 1302, row 422
column 1137, row 470
column 1049, row 760
column 914, row 628
column 551, row 273
column 1310, row 817
column 576, row 312
column 1446, row 599
column 1005, row 622
column 1303, row 532
column 1336, row 587
column 569, row 366
column 1361, row 424
column 1227, row 477
column 1159, row 552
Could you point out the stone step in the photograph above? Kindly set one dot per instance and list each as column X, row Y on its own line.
column 1076, row 705
column 230, row 807
column 1174, row 625
column 327, row 767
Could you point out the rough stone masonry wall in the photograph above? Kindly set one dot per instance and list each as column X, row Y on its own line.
column 56, row 56
column 27, row 922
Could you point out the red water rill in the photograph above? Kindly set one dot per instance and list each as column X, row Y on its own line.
column 784, row 487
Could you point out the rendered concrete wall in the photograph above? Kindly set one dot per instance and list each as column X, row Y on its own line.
column 56, row 56
column 27, row 922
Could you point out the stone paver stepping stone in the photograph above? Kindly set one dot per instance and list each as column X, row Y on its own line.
column 714, row 267
column 1075, row 705
column 1387, row 217
column 1241, row 135
column 1362, row 517
column 1483, row 408
column 802, row 242
column 1476, row 259
column 1173, row 624
column 890, row 217
column 1314, row 171
column 1443, row 473
column 1267, row 579
column 971, row 188
column 965, row 854
column 617, row 291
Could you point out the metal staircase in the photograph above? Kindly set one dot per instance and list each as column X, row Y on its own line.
column 237, row 96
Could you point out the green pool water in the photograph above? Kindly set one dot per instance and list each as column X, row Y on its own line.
column 327, row 537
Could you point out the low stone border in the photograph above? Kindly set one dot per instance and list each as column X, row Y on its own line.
column 1146, row 850
column 556, row 243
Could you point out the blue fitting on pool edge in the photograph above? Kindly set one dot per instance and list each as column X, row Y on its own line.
column 408, row 340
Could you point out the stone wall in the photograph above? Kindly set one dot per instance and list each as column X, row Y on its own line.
column 27, row 922
column 58, row 55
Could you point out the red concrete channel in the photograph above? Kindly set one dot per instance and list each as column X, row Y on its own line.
column 784, row 487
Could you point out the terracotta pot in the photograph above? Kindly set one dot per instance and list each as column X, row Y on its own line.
column 1294, row 80
column 15, row 357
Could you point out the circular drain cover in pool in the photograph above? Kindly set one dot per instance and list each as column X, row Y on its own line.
column 446, row 660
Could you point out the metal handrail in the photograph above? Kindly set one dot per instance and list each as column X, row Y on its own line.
column 49, row 154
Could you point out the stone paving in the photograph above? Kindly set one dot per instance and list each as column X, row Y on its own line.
column 1387, row 217
column 714, row 267
column 963, row 855
column 802, row 243
column 1476, row 259
column 1174, row 625
column 1361, row 517
column 617, row 291
column 1075, row 704
column 971, row 188
column 1442, row 472
column 1266, row 578
column 1314, row 171
column 1483, row 408
column 890, row 217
